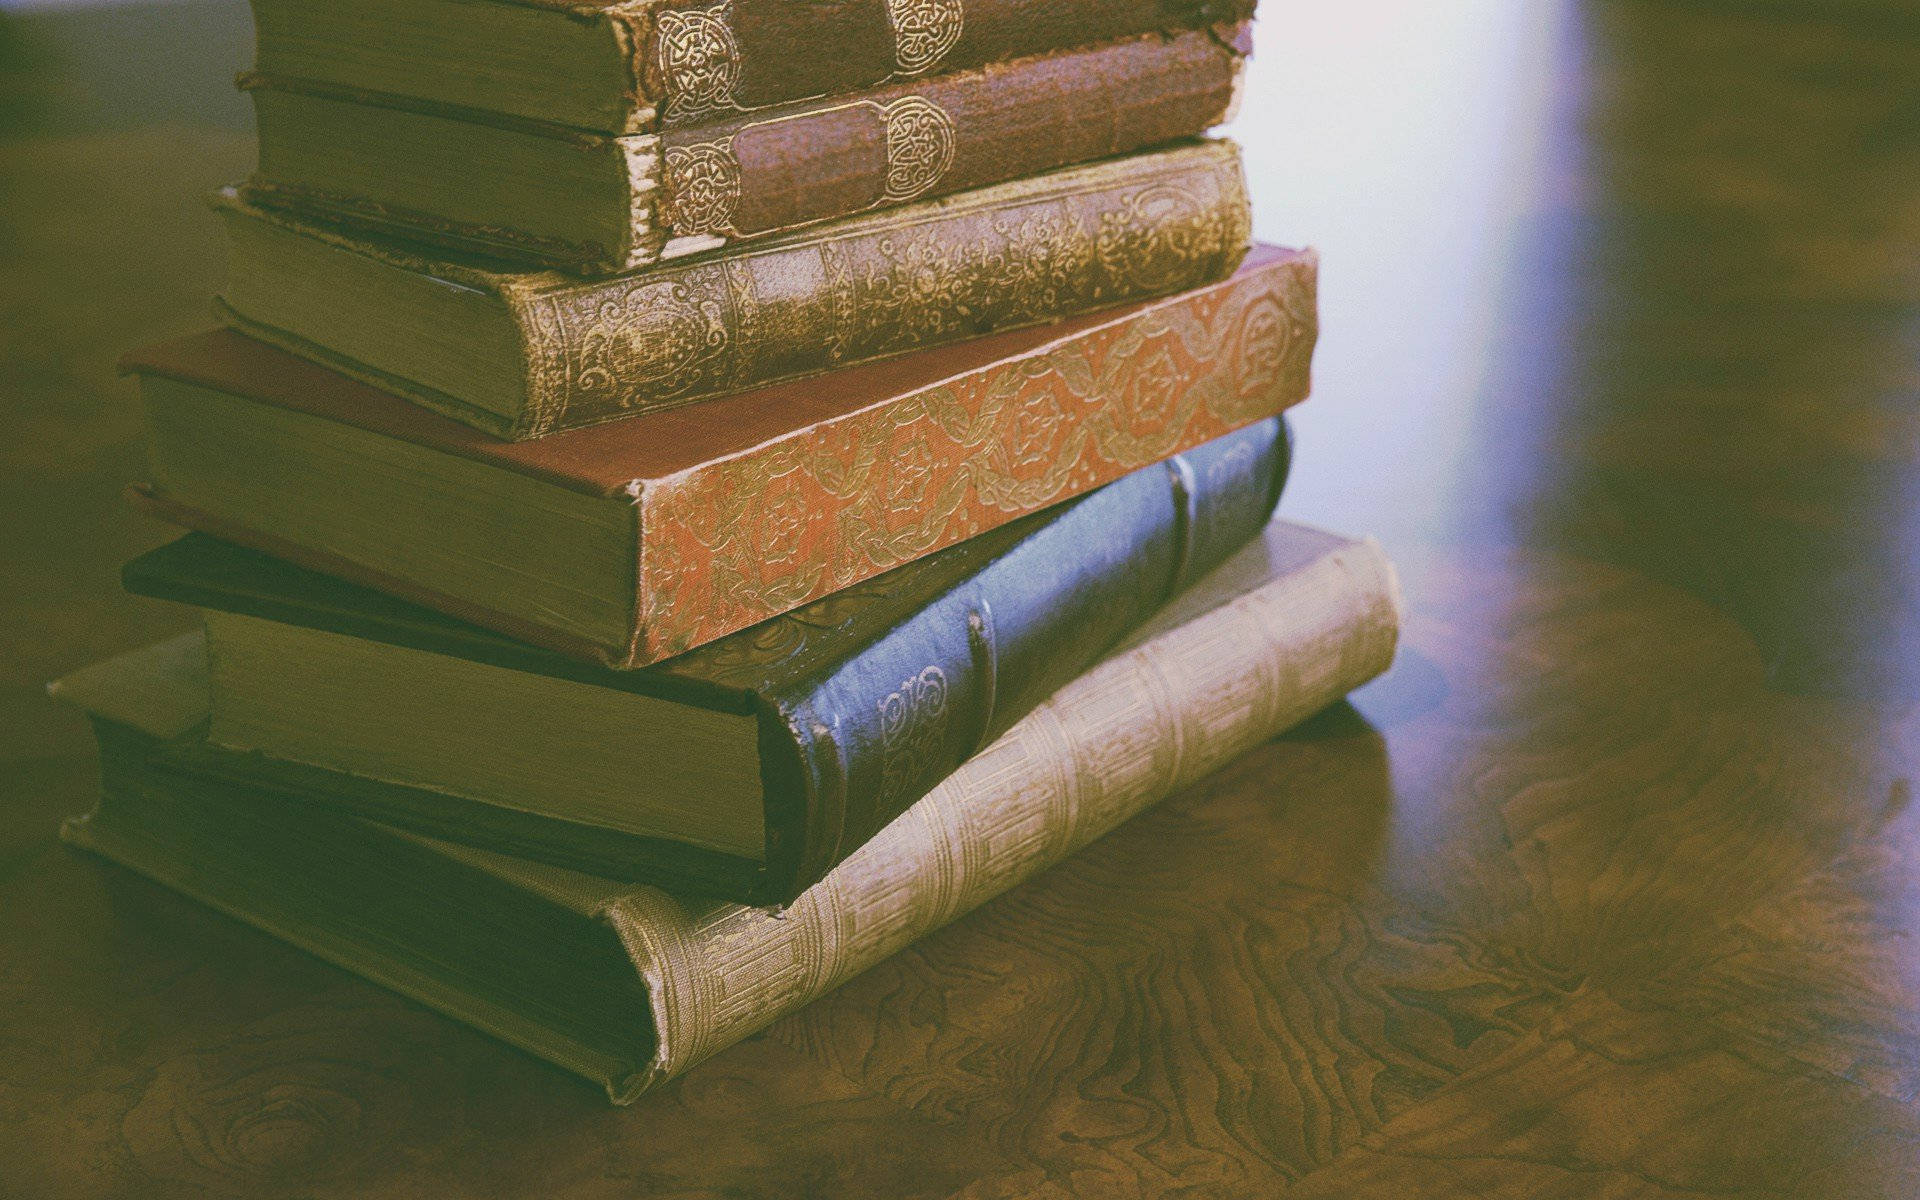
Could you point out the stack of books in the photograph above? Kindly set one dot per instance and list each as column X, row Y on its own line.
column 691, row 497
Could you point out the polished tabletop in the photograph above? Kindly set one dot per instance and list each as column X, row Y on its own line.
column 1610, row 888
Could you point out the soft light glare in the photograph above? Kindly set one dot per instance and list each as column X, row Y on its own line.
column 1403, row 139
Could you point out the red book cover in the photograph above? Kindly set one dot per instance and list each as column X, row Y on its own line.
column 753, row 505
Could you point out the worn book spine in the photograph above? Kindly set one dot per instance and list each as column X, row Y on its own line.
column 693, row 59
column 699, row 186
column 730, row 543
column 875, row 732
column 847, row 292
column 792, row 166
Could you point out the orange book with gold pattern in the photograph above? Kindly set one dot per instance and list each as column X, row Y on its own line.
column 628, row 542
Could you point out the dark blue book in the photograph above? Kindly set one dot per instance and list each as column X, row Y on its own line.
column 745, row 769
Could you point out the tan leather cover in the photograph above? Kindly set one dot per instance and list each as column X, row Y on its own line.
column 831, row 296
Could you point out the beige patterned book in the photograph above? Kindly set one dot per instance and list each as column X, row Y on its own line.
column 630, row 986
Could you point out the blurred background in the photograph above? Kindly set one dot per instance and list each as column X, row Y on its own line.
column 1634, row 280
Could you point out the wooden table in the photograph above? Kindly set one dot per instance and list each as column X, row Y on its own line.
column 1608, row 889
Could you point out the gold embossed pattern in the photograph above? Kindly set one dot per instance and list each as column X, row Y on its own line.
column 1140, row 726
column 651, row 333
column 744, row 660
column 923, row 32
column 920, row 147
column 841, row 502
column 1017, row 254
column 703, row 188
column 703, row 182
column 697, row 56
column 698, row 60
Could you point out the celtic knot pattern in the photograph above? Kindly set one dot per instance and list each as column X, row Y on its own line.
column 919, row 147
column 923, row 31
column 698, row 59
column 703, row 188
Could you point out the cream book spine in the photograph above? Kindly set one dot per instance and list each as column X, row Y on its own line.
column 1289, row 625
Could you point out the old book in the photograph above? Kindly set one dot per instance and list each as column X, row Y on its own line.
column 520, row 354
column 745, row 769
column 636, row 540
column 630, row 986
column 556, row 196
column 639, row 66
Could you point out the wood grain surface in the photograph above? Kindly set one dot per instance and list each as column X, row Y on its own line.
column 1607, row 890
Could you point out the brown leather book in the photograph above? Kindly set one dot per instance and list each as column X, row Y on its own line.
column 637, row 66
column 552, row 195
column 521, row 354
column 639, row 539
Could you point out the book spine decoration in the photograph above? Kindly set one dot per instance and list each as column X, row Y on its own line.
column 1139, row 727
column 699, row 186
column 734, row 177
column 909, row 710
column 1013, row 257
column 695, row 59
column 734, row 542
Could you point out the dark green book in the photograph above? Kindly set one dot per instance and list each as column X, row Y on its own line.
column 745, row 769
